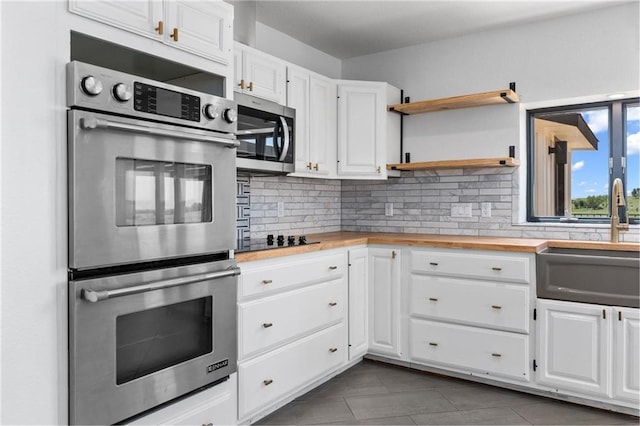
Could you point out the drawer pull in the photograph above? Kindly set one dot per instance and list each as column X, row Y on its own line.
column 333, row 303
column 433, row 263
column 267, row 324
column 267, row 281
column 333, row 268
column 496, row 306
column 495, row 268
column 433, row 299
column 496, row 355
column 267, row 382
column 433, row 344
column 332, row 350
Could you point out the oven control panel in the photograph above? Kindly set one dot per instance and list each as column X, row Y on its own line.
column 114, row 92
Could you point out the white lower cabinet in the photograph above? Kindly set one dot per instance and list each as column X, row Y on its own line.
column 384, row 301
column 267, row 378
column 292, row 327
column 473, row 318
column 214, row 406
column 358, row 302
column 590, row 350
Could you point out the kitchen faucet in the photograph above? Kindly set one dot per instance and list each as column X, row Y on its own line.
column 617, row 200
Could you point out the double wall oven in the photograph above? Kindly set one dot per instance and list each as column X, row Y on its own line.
column 152, row 285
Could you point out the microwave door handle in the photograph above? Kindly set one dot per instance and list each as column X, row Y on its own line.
column 98, row 123
column 96, row 296
column 277, row 147
column 285, row 147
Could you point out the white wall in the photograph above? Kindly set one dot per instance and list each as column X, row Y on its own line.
column 586, row 54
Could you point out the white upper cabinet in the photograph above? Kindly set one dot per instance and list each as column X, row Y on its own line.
column 368, row 135
column 259, row 74
column 204, row 27
column 313, row 97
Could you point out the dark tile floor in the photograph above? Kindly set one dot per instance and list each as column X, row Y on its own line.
column 374, row 393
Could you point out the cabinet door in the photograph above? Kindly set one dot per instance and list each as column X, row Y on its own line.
column 203, row 27
column 574, row 346
column 140, row 17
column 384, row 301
column 264, row 76
column 361, row 129
column 627, row 354
column 358, row 302
column 322, row 123
column 298, row 98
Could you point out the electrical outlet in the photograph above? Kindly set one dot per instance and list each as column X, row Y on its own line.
column 280, row 208
column 461, row 210
column 486, row 209
column 388, row 209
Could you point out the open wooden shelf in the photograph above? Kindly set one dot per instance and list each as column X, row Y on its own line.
column 506, row 96
column 456, row 164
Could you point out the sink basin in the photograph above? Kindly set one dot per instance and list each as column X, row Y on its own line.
column 605, row 277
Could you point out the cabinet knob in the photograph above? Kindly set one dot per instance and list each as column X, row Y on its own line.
column 174, row 34
column 267, row 324
column 315, row 167
column 309, row 166
column 267, row 382
column 333, row 303
column 160, row 27
column 378, row 169
column 251, row 86
column 241, row 84
column 332, row 350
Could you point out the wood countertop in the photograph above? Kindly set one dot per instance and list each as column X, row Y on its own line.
column 331, row 240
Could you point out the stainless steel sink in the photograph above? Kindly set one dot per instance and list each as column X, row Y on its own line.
column 605, row 277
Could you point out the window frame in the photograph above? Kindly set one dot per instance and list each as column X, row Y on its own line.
column 617, row 110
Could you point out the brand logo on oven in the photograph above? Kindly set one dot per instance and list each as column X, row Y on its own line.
column 213, row 367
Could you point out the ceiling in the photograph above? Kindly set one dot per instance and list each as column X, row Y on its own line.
column 347, row 28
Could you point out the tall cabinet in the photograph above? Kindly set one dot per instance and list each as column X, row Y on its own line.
column 384, row 301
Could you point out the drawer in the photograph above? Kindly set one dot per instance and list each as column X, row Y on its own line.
column 266, row 276
column 485, row 303
column 490, row 352
column 266, row 379
column 494, row 267
column 271, row 320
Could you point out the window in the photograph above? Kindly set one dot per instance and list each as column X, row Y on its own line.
column 574, row 154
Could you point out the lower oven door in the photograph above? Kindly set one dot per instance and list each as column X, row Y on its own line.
column 139, row 340
column 142, row 191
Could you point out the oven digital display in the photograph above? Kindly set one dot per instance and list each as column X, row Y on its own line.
column 156, row 100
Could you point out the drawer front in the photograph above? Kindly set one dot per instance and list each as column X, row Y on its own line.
column 267, row 276
column 467, row 264
column 264, row 380
column 276, row 319
column 490, row 352
column 485, row 303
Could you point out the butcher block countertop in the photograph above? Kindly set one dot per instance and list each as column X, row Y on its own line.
column 332, row 240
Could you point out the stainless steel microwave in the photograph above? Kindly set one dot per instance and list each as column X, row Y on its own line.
column 266, row 136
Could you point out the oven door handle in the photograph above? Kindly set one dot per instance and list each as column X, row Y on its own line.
column 98, row 123
column 96, row 296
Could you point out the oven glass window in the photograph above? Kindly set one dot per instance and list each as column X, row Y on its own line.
column 158, row 192
column 153, row 339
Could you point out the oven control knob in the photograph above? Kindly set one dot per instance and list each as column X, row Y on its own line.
column 230, row 115
column 210, row 111
column 122, row 92
column 91, row 85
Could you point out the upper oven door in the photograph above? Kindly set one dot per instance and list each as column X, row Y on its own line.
column 141, row 191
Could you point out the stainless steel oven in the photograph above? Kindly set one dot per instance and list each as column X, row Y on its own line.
column 141, row 339
column 152, row 285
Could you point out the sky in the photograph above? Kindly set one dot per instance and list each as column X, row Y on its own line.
column 590, row 169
